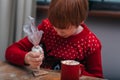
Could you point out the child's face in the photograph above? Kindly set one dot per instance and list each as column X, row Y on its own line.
column 66, row 32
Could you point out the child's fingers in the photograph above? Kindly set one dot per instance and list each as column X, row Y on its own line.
column 34, row 54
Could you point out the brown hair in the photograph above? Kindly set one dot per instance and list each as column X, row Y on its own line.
column 63, row 13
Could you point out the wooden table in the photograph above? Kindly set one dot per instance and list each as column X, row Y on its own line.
column 12, row 72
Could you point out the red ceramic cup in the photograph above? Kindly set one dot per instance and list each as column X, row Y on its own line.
column 70, row 70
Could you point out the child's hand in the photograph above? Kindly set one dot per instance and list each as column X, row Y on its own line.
column 34, row 59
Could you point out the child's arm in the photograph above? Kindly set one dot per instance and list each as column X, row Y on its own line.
column 93, row 65
column 16, row 52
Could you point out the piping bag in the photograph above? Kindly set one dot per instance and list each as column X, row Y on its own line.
column 34, row 36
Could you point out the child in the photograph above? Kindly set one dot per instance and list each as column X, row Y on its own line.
column 66, row 37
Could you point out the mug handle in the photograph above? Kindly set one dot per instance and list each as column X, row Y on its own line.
column 81, row 69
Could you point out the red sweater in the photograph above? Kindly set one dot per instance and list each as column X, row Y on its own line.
column 83, row 47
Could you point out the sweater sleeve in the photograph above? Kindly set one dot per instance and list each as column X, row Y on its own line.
column 93, row 63
column 15, row 53
column 94, row 66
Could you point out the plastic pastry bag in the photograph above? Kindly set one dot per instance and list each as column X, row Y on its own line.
column 34, row 36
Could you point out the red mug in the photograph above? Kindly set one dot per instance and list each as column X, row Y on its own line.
column 70, row 70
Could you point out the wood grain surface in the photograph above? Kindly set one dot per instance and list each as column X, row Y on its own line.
column 11, row 72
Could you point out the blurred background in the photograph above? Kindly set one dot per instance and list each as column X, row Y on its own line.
column 103, row 19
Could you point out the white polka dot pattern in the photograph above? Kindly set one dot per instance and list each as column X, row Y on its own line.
column 69, row 48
